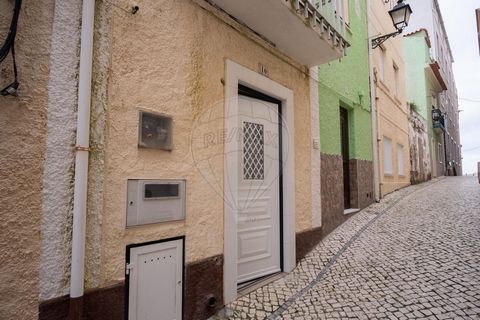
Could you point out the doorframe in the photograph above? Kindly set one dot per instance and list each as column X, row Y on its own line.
column 346, row 111
column 127, row 276
column 238, row 75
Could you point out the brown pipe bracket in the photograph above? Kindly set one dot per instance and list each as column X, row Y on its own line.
column 80, row 148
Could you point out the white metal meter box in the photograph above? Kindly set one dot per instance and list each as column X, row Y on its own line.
column 154, row 201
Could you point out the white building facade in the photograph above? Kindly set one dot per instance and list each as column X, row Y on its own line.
column 427, row 15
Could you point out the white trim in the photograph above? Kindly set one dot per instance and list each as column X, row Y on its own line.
column 351, row 211
column 400, row 160
column 373, row 109
column 387, row 156
column 235, row 75
column 315, row 150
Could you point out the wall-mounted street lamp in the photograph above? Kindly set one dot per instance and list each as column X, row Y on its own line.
column 400, row 15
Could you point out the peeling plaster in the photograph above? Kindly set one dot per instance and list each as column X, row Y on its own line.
column 420, row 161
column 60, row 142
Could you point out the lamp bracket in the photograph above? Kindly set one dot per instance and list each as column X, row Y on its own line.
column 379, row 40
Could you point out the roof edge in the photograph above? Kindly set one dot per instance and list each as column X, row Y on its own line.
column 427, row 36
column 435, row 67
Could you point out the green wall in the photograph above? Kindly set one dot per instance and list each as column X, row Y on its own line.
column 346, row 83
column 417, row 56
column 419, row 87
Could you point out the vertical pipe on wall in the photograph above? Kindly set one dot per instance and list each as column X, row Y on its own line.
column 315, row 150
column 373, row 108
column 81, row 160
column 445, row 162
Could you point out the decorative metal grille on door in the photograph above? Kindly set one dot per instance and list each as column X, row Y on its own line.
column 253, row 151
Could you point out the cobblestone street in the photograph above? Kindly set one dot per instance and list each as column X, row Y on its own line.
column 415, row 255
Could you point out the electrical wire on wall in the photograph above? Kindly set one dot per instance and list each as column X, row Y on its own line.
column 469, row 100
column 9, row 46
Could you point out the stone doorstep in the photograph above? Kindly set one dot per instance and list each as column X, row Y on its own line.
column 259, row 283
column 351, row 211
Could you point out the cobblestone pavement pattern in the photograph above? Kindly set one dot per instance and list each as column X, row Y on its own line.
column 415, row 255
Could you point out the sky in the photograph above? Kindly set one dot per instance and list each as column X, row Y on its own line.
column 460, row 22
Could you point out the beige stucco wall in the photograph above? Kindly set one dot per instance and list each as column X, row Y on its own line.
column 391, row 104
column 169, row 58
column 22, row 144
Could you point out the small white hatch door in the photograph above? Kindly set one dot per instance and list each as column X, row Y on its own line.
column 155, row 281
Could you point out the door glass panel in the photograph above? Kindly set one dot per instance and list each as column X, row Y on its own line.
column 253, row 151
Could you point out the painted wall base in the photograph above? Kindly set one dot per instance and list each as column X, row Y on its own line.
column 361, row 191
column 332, row 192
column 361, row 183
column 307, row 240
column 204, row 281
column 104, row 303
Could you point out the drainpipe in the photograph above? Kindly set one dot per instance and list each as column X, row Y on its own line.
column 81, row 161
column 373, row 112
column 445, row 162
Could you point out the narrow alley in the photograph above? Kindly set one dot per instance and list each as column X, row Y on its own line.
column 227, row 159
column 415, row 255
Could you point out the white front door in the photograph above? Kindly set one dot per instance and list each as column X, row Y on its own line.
column 258, row 219
column 155, row 281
